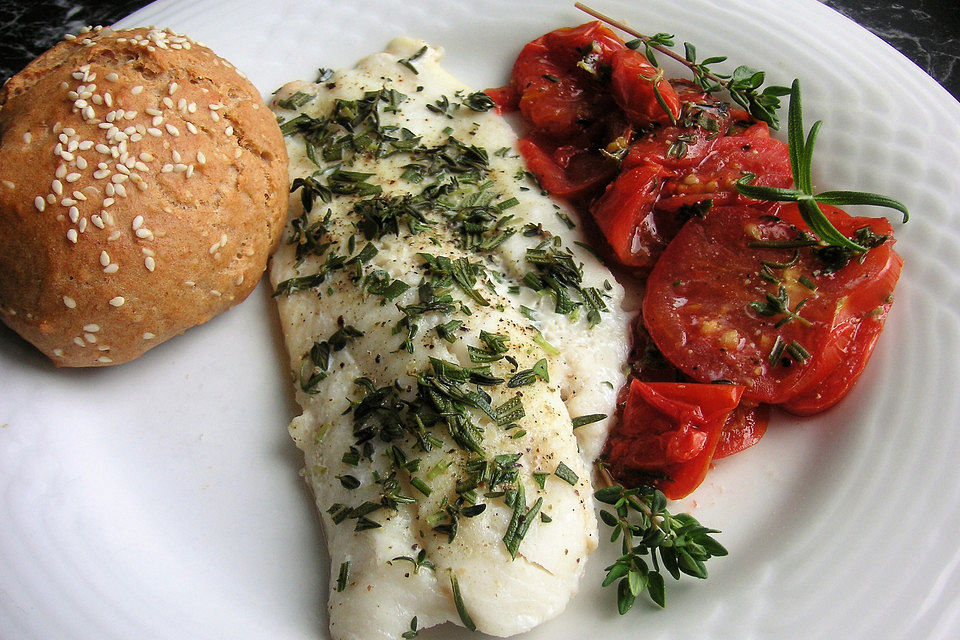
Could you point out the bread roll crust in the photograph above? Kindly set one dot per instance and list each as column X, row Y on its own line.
column 142, row 189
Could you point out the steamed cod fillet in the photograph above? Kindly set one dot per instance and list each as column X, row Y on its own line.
column 445, row 332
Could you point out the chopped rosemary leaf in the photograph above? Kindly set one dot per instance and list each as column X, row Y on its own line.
column 581, row 421
column 458, row 603
column 566, row 474
column 520, row 522
column 343, row 576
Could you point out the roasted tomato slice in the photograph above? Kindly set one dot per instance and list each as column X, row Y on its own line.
column 668, row 433
column 642, row 91
column 743, row 429
column 721, row 304
column 625, row 215
column 567, row 173
column 727, row 160
column 556, row 79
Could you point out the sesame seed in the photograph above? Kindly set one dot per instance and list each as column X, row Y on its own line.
column 189, row 170
column 156, row 133
column 66, row 155
column 149, row 263
column 69, row 302
column 79, row 195
column 104, row 258
column 82, row 225
column 137, row 222
column 85, row 145
column 117, row 301
column 72, row 235
column 111, row 268
column 157, row 121
column 113, row 236
column 79, row 342
column 58, row 353
column 201, row 159
column 172, row 130
column 192, row 128
column 148, row 336
column 214, row 116
column 120, row 190
column 74, row 214
column 141, row 166
column 88, row 113
column 104, row 360
column 61, row 172
column 179, row 167
column 182, row 104
column 107, row 202
column 112, row 77
column 102, row 148
column 97, row 221
column 89, row 337
column 167, row 102
column 173, row 88
column 101, row 173
column 167, row 168
column 68, row 202
column 51, row 198
column 137, row 89
column 110, row 190
column 73, row 177
column 176, row 156
column 216, row 293
column 228, row 130
column 192, row 107
column 39, row 203
column 143, row 232
column 146, row 157
column 81, row 163
column 27, row 137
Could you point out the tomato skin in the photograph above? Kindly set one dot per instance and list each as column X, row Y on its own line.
column 626, row 217
column 556, row 97
column 864, row 329
column 668, row 433
column 636, row 83
column 743, row 429
column 697, row 304
column 567, row 173
column 570, row 44
column 506, row 98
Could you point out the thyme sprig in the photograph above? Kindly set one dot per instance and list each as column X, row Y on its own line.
column 743, row 84
column 801, row 160
column 647, row 531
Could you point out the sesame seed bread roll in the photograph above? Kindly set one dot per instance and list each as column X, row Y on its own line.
column 142, row 189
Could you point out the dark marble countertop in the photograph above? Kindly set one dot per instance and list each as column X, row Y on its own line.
column 926, row 31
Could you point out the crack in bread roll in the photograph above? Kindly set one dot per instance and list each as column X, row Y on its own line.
column 142, row 189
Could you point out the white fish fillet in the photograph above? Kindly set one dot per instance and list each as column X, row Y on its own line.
column 381, row 593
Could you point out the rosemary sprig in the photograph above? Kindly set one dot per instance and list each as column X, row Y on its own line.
column 677, row 543
column 743, row 84
column 801, row 160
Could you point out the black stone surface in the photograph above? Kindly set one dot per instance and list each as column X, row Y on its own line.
column 926, row 31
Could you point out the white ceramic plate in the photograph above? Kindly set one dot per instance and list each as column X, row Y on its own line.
column 160, row 499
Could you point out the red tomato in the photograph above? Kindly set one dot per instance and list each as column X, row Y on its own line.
column 557, row 96
column 743, row 428
column 702, row 299
column 566, row 172
column 592, row 43
column 641, row 90
column 668, row 433
column 625, row 216
column 506, row 98
column 727, row 160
